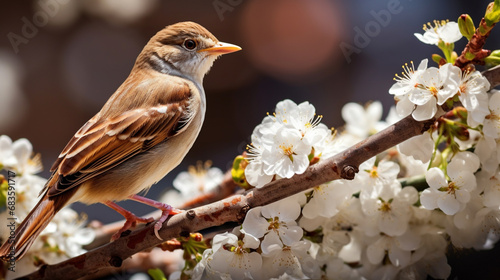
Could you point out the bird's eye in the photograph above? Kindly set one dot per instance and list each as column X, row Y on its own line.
column 189, row 44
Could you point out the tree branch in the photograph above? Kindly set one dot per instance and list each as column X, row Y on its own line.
column 226, row 188
column 473, row 51
column 493, row 76
column 233, row 209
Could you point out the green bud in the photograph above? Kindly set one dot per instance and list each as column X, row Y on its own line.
column 492, row 14
column 466, row 26
column 4, row 186
column 470, row 56
column 157, row 274
column 438, row 59
column 493, row 59
column 461, row 113
column 462, row 133
column 238, row 172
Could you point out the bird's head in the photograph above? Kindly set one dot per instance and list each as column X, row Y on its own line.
column 184, row 48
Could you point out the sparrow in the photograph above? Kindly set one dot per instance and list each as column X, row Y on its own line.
column 141, row 133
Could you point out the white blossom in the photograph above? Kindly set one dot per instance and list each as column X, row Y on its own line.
column 388, row 209
column 288, row 155
column 327, row 198
column 452, row 196
column 420, row 91
column 282, row 143
column 472, row 93
column 491, row 126
column 292, row 259
column 446, row 31
column 409, row 81
column 18, row 155
column 232, row 257
column 363, row 122
column 199, row 179
column 275, row 222
column 254, row 172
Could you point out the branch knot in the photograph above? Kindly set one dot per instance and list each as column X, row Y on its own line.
column 115, row 261
column 348, row 172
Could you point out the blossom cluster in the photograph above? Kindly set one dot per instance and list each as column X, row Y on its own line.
column 395, row 219
column 376, row 226
column 284, row 142
column 198, row 181
column 329, row 231
column 420, row 92
column 64, row 236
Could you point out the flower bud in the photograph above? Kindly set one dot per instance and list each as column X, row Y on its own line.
column 238, row 172
column 438, row 59
column 466, row 26
column 492, row 14
column 462, row 133
column 493, row 59
column 198, row 237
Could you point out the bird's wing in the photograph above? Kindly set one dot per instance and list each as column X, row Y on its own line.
column 103, row 144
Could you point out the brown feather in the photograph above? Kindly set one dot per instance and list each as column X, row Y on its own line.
column 97, row 152
column 32, row 226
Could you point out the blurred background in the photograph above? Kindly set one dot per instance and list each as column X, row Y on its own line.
column 60, row 60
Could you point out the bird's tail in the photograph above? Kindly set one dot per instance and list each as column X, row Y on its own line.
column 18, row 244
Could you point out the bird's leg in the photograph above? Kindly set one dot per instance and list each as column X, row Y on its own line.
column 131, row 219
column 166, row 210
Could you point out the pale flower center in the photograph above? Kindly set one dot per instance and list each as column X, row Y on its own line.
column 274, row 223
column 239, row 250
column 437, row 24
column 493, row 117
column 373, row 173
column 408, row 72
column 287, row 151
column 451, row 189
column 462, row 88
column 433, row 90
column 385, row 207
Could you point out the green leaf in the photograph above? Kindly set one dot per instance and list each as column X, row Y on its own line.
column 157, row 274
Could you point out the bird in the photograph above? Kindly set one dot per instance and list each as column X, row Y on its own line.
column 142, row 132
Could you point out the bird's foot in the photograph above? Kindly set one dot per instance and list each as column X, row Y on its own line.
column 131, row 220
column 166, row 210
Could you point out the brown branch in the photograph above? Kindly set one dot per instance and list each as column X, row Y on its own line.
column 493, row 76
column 343, row 165
column 104, row 232
column 475, row 46
column 233, row 209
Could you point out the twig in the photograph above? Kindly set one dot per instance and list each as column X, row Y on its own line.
column 473, row 51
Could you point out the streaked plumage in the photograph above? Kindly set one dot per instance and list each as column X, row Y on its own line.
column 142, row 132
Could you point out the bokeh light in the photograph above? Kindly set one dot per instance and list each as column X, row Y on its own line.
column 292, row 39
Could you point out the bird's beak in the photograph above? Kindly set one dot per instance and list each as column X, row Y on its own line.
column 221, row 48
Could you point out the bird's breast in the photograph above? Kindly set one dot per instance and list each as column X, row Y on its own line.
column 144, row 169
